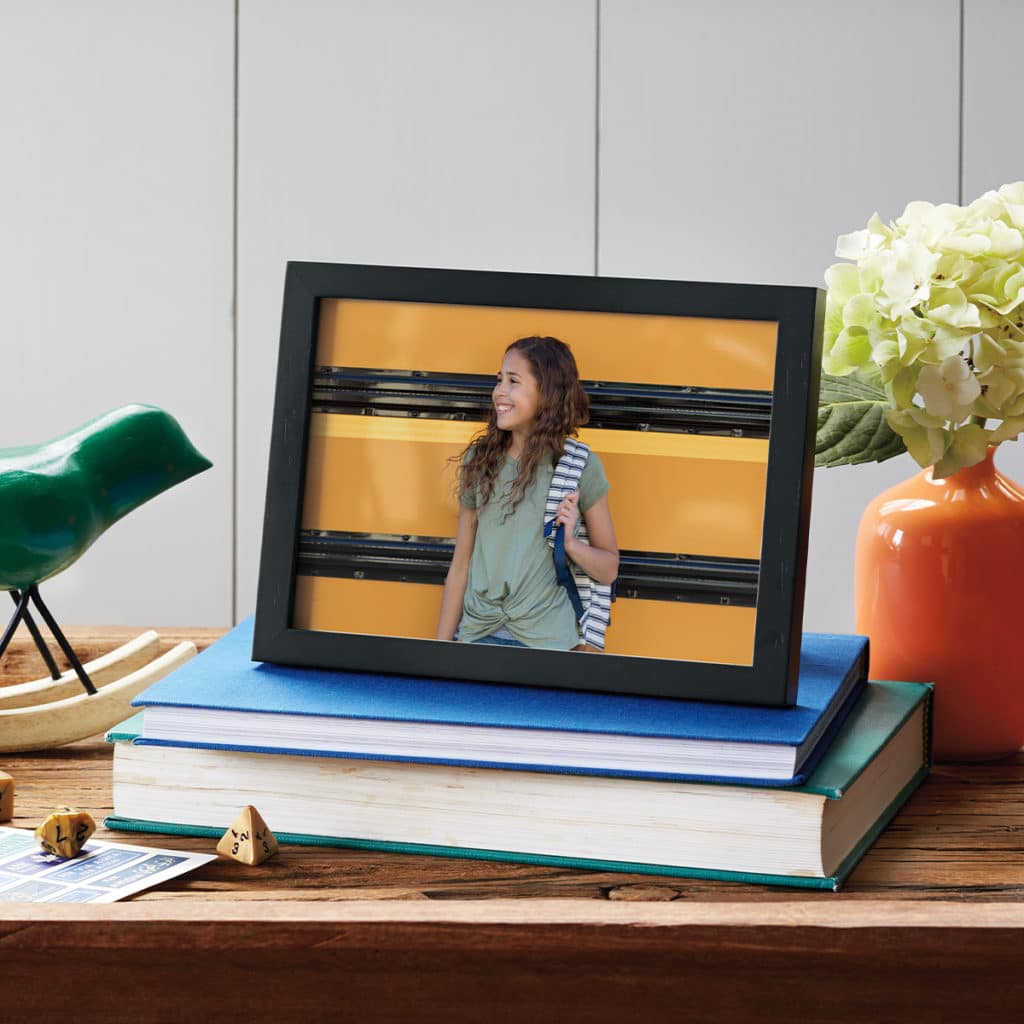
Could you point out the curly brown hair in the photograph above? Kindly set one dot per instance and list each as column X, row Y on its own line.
column 562, row 409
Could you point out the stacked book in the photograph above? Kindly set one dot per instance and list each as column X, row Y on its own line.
column 789, row 796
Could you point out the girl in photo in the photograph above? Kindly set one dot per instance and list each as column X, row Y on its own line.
column 501, row 586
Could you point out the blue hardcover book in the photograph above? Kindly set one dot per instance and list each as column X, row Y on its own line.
column 224, row 700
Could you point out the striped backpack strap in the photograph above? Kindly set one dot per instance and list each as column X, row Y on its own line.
column 590, row 600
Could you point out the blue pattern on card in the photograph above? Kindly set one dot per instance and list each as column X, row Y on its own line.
column 98, row 864
column 34, row 863
column 138, row 872
column 31, row 892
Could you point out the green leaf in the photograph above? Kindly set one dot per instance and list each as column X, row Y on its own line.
column 851, row 424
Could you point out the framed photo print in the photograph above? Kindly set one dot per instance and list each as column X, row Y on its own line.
column 396, row 411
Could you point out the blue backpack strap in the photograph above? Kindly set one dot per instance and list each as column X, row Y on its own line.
column 562, row 572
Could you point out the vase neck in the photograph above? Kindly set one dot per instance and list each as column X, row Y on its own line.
column 972, row 475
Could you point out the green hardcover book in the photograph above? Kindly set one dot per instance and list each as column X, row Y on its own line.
column 809, row 836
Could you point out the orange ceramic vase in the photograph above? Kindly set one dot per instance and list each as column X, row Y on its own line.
column 938, row 590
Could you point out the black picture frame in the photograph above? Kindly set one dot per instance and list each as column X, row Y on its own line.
column 772, row 677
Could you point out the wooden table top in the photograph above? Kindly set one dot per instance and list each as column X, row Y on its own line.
column 930, row 922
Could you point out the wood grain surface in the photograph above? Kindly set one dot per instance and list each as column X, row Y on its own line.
column 929, row 925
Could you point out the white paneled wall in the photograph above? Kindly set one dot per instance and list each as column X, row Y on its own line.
column 448, row 134
column 115, row 273
column 713, row 139
column 737, row 138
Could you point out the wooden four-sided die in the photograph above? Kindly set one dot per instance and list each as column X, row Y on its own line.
column 65, row 831
column 248, row 839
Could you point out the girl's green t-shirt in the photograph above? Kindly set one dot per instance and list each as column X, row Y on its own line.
column 512, row 574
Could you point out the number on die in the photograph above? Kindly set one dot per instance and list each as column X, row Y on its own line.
column 65, row 831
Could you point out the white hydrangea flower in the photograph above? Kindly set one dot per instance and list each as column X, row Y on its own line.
column 932, row 307
column 926, row 441
column 927, row 223
column 949, row 306
column 1002, row 386
column 1012, row 198
column 968, row 446
column 902, row 275
column 999, row 285
column 987, row 237
column 949, row 389
column 859, row 243
column 989, row 352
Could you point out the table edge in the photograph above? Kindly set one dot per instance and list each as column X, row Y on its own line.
column 830, row 912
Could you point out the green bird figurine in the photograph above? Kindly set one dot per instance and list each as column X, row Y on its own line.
column 58, row 497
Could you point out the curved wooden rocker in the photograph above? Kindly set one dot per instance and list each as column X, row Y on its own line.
column 47, row 713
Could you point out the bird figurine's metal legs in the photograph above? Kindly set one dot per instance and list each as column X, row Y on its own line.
column 21, row 613
column 36, row 635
